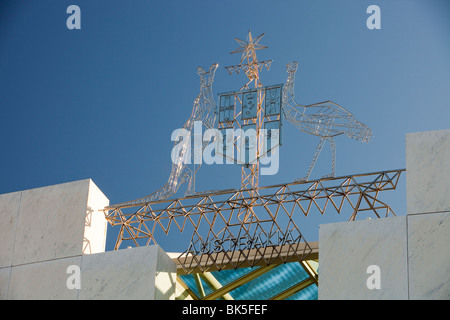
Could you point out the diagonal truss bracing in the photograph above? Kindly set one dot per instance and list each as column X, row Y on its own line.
column 228, row 226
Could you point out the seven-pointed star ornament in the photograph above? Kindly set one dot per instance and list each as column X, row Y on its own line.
column 248, row 47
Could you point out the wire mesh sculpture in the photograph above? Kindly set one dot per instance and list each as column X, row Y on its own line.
column 250, row 65
column 324, row 119
column 252, row 225
column 183, row 171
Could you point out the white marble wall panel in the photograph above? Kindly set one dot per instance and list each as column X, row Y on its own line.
column 139, row 273
column 166, row 276
column 51, row 222
column 428, row 171
column 429, row 256
column 46, row 280
column 347, row 249
column 9, row 212
column 135, row 273
column 46, row 230
column 42, row 230
column 94, row 239
column 4, row 282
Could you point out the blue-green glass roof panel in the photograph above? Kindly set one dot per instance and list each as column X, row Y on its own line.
column 271, row 283
column 263, row 287
column 309, row 293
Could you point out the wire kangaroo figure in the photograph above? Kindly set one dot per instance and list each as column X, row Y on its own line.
column 183, row 170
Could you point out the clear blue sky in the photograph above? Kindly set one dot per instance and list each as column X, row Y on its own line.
column 102, row 102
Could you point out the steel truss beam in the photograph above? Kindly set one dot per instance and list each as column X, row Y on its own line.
column 270, row 213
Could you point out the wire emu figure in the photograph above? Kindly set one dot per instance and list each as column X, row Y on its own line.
column 325, row 120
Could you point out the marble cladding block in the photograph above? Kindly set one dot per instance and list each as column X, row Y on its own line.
column 4, row 282
column 9, row 213
column 347, row 249
column 45, row 280
column 428, row 171
column 139, row 273
column 52, row 222
column 135, row 273
column 429, row 256
column 46, row 230
column 94, row 239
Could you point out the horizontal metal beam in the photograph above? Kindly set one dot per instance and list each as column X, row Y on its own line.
column 224, row 224
column 309, row 185
column 252, row 258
